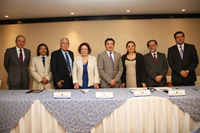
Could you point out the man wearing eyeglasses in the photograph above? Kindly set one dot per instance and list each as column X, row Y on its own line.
column 156, row 66
column 183, row 60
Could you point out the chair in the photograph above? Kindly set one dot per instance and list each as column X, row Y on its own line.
column 0, row 84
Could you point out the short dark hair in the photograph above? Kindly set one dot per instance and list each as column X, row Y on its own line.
column 19, row 36
column 151, row 41
column 87, row 45
column 178, row 32
column 109, row 39
column 42, row 44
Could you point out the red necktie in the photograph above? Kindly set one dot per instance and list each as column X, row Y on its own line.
column 21, row 57
column 155, row 58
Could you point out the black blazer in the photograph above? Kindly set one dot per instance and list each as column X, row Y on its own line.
column 140, row 70
column 154, row 69
column 13, row 67
column 60, row 71
column 189, row 62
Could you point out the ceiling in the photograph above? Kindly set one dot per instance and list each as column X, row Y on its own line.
column 26, row 9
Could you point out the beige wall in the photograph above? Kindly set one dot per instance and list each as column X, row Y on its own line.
column 95, row 33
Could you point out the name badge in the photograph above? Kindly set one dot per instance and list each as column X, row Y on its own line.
column 62, row 95
column 141, row 93
column 180, row 92
column 104, row 94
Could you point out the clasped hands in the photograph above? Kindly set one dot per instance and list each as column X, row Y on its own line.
column 44, row 81
column 184, row 73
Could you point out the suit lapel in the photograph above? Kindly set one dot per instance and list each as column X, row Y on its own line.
column 108, row 58
column 115, row 58
column 178, row 53
column 63, row 59
column 41, row 62
column 16, row 55
column 185, row 51
column 89, row 61
column 152, row 59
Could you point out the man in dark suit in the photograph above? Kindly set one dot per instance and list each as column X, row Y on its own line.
column 16, row 62
column 61, row 66
column 156, row 66
column 183, row 60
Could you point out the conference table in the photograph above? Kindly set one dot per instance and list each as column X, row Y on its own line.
column 22, row 112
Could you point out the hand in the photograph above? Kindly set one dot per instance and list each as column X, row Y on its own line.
column 76, row 86
column 60, row 84
column 44, row 81
column 144, row 85
column 96, row 86
column 113, row 82
column 123, row 85
column 184, row 73
column 158, row 78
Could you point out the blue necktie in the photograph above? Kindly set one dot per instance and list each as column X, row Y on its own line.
column 43, row 60
column 68, row 64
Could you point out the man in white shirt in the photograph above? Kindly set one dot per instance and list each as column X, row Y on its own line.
column 183, row 60
column 16, row 62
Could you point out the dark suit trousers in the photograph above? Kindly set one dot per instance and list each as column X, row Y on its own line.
column 20, row 86
column 183, row 84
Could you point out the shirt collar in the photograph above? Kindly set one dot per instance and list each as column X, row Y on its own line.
column 109, row 52
column 42, row 56
column 19, row 49
column 180, row 45
column 64, row 52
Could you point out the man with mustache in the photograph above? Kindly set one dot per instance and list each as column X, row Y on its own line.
column 156, row 66
column 40, row 69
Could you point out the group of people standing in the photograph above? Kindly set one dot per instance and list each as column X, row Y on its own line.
column 130, row 70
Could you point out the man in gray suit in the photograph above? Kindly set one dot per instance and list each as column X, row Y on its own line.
column 110, row 66
column 16, row 62
column 156, row 66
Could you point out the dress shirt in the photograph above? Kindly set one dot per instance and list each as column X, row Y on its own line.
column 111, row 54
column 18, row 52
column 155, row 55
column 70, row 60
column 179, row 47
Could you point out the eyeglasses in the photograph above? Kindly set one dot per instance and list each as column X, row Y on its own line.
column 152, row 45
column 179, row 37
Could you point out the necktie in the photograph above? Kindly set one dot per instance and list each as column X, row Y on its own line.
column 21, row 57
column 154, row 56
column 68, row 64
column 111, row 59
column 43, row 60
column 181, row 52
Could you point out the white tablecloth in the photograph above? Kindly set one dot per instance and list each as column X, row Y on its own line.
column 136, row 115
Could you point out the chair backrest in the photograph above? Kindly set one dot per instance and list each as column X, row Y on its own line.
column 0, row 84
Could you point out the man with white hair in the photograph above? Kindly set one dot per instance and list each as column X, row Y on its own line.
column 61, row 66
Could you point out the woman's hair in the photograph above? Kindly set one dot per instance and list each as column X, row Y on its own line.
column 127, row 46
column 87, row 45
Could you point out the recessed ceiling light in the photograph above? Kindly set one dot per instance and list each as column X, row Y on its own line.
column 183, row 10
column 6, row 16
column 72, row 13
column 128, row 10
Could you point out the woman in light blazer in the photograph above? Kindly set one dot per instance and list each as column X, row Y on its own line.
column 40, row 69
column 85, row 72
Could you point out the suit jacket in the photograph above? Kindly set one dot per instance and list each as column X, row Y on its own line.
column 60, row 71
column 154, row 70
column 107, row 71
column 140, row 70
column 38, row 71
column 93, row 74
column 13, row 67
column 189, row 62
